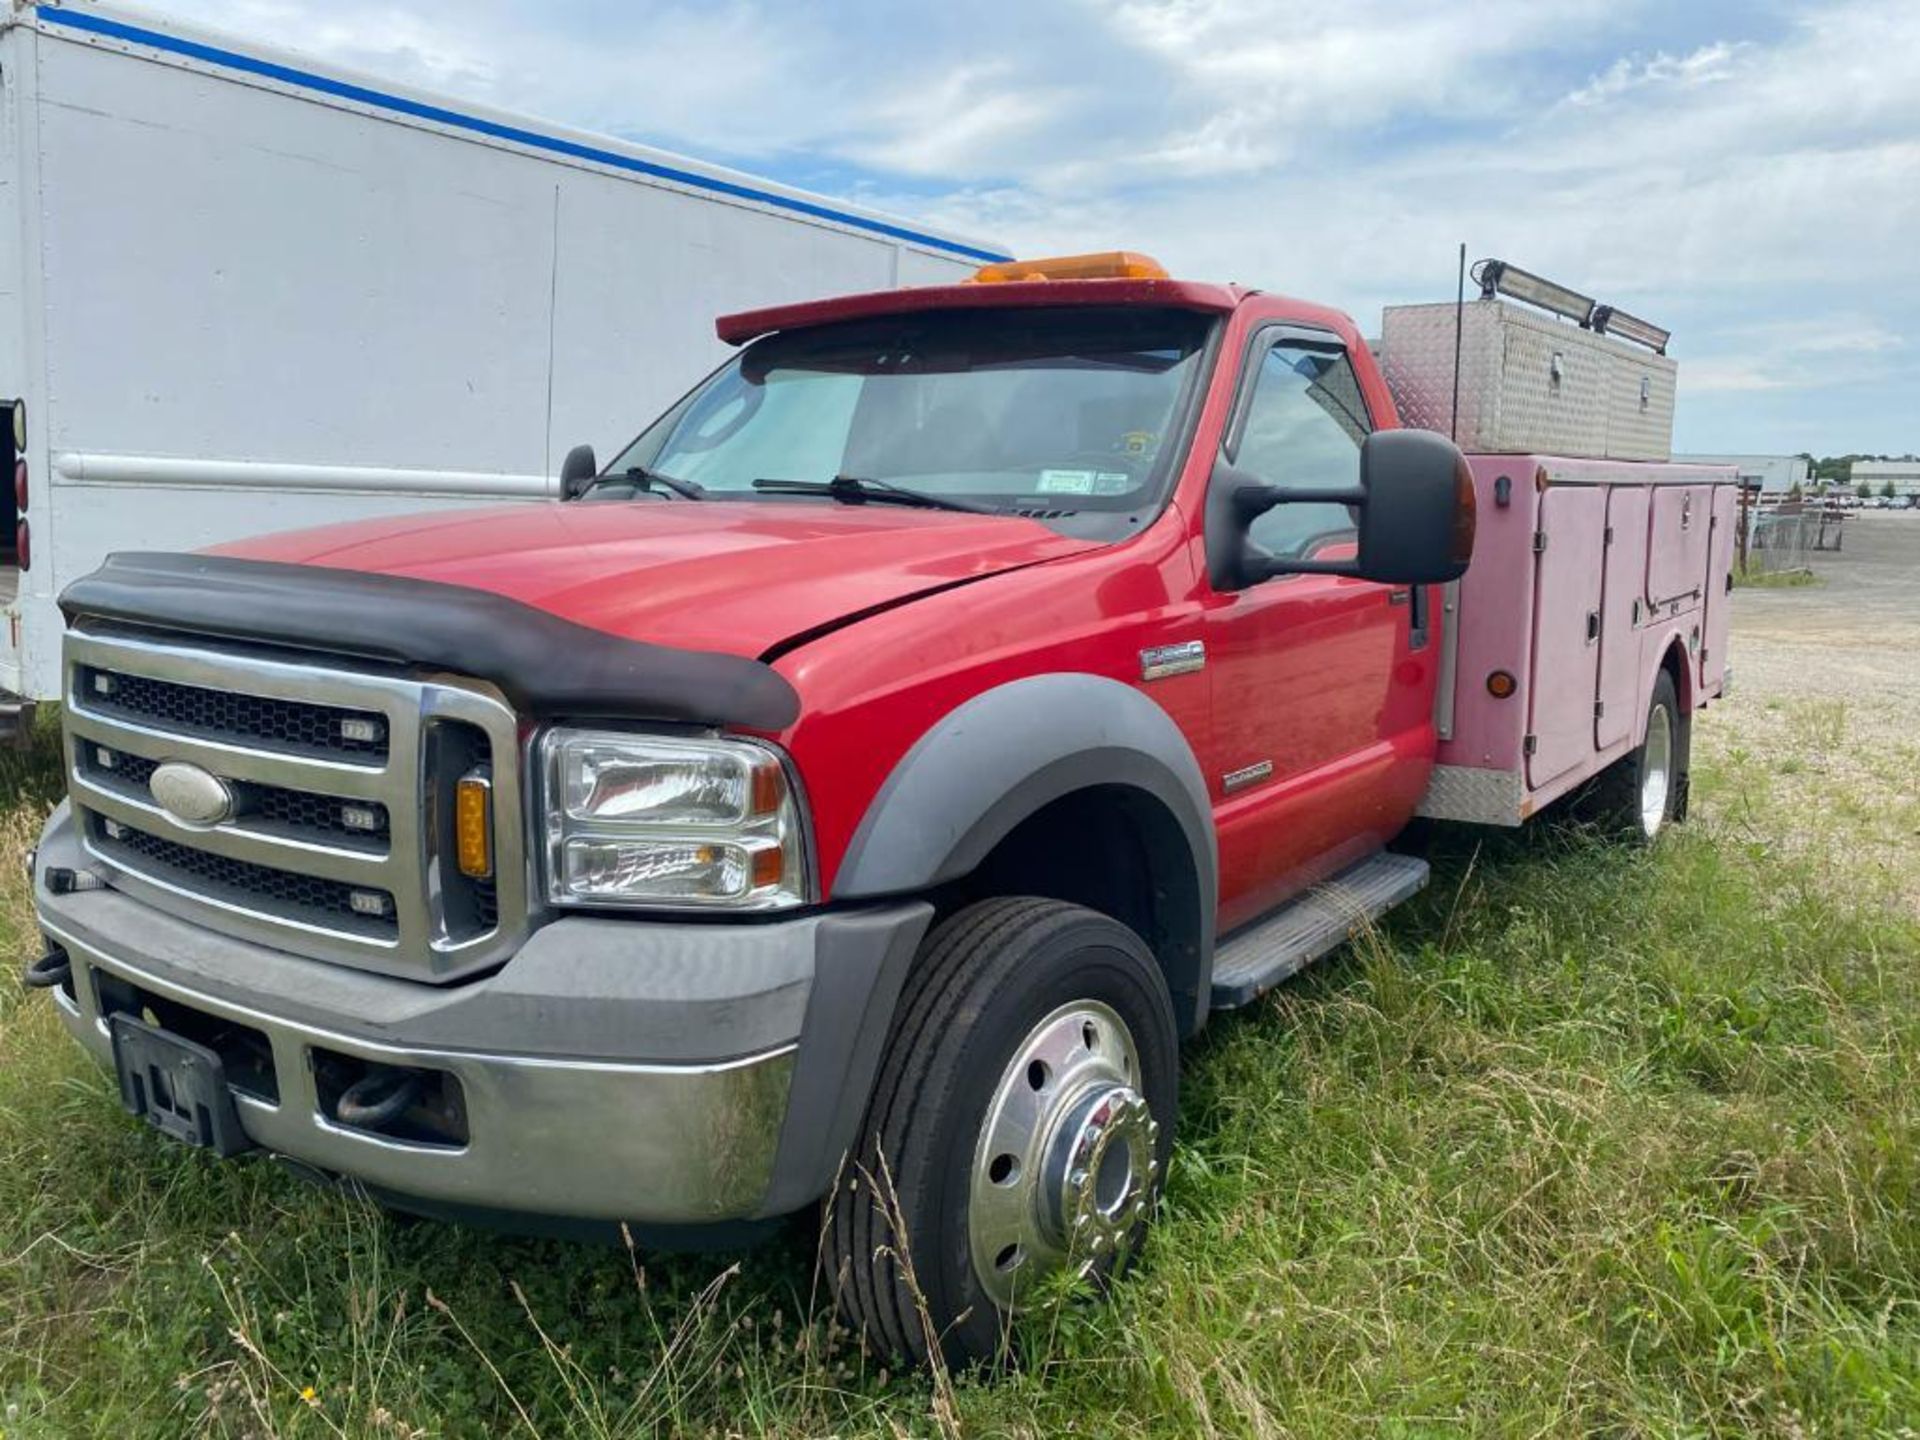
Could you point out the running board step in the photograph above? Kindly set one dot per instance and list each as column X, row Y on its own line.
column 1255, row 959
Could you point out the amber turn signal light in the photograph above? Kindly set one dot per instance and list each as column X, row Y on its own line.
column 473, row 825
column 1501, row 685
column 1465, row 516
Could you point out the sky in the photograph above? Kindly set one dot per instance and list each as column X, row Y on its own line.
column 1744, row 172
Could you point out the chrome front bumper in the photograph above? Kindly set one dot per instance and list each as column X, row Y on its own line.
column 587, row 1092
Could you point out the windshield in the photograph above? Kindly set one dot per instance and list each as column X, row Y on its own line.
column 1069, row 415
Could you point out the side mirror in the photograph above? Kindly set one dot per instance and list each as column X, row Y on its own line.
column 577, row 472
column 1416, row 516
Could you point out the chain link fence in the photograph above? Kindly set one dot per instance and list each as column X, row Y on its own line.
column 1786, row 536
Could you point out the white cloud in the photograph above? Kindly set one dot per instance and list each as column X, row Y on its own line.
column 1717, row 169
column 956, row 125
column 1708, row 65
column 1734, row 375
column 1265, row 83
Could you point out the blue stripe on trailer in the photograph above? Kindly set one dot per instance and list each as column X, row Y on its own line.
column 533, row 139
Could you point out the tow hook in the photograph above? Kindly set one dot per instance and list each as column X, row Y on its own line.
column 65, row 880
column 48, row 970
column 377, row 1099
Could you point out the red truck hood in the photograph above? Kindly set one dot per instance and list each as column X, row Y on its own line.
column 738, row 577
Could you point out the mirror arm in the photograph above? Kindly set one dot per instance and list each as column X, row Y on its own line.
column 1255, row 500
column 1271, row 567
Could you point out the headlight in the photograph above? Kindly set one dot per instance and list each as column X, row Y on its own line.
column 664, row 821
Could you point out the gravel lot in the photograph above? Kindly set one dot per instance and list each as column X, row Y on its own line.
column 1825, row 716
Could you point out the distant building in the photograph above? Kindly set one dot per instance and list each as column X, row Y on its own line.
column 1905, row 475
column 1759, row 472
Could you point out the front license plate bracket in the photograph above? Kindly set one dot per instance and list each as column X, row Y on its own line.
column 178, row 1087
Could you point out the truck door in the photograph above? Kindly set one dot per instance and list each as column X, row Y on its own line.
column 1617, row 696
column 1713, row 648
column 1565, row 673
column 1322, row 731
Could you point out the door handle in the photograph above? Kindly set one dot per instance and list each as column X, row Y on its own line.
column 1399, row 597
column 1593, row 626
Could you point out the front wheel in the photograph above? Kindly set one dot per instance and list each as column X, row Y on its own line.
column 1020, row 1126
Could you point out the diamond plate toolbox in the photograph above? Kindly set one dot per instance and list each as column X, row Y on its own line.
column 1529, row 383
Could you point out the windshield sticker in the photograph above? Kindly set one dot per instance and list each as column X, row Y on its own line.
column 1065, row 482
column 1112, row 482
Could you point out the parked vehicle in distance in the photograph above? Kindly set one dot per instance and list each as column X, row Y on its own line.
column 862, row 787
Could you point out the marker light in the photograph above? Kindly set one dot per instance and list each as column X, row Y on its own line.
column 1501, row 685
column 473, row 824
column 1498, row 277
column 368, row 902
column 1609, row 321
column 1106, row 265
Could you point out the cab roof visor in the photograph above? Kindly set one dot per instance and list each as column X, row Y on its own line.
column 747, row 325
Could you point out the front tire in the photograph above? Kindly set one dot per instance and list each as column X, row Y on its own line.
column 1020, row 1125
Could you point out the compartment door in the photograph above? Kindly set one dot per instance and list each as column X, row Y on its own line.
column 1565, row 670
column 1619, row 689
column 1677, row 544
column 1713, row 652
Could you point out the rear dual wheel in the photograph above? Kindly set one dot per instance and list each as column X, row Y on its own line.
column 1020, row 1127
column 1638, row 796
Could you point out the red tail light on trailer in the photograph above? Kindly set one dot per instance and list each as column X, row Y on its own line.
column 23, row 545
column 20, row 486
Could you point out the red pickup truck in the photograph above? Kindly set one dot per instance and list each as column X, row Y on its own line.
column 858, row 791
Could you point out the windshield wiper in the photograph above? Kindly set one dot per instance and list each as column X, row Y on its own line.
column 647, row 479
column 642, row 478
column 854, row 490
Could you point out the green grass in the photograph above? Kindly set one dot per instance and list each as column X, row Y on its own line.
column 1750, row 578
column 1586, row 1142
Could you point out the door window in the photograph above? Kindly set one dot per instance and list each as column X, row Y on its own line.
column 1305, row 421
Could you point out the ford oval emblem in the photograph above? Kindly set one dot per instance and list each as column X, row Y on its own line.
column 190, row 795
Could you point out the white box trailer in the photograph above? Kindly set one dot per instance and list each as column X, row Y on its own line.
column 242, row 291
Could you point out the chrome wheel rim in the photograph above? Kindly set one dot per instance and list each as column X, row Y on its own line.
column 1656, row 771
column 1064, row 1168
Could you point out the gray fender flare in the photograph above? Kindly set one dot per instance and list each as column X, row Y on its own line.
column 1003, row 755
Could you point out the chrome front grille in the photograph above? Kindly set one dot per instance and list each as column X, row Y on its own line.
column 339, row 841
column 357, row 824
column 295, row 727
column 310, row 899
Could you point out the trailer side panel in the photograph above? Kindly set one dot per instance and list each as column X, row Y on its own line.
column 280, row 295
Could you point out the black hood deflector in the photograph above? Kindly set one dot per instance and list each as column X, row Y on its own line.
column 545, row 665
